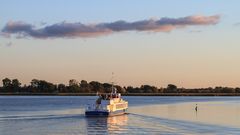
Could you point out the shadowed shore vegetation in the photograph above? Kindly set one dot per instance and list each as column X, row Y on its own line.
column 42, row 87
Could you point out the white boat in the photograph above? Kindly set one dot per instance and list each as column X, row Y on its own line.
column 107, row 104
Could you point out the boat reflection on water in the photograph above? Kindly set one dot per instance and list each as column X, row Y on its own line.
column 107, row 125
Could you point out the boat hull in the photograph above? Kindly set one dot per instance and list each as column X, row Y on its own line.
column 104, row 113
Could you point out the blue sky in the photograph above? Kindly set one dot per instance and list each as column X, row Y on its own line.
column 108, row 10
column 194, row 56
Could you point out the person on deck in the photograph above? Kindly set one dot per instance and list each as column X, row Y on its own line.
column 98, row 102
column 196, row 108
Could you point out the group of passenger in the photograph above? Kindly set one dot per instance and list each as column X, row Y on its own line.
column 109, row 96
column 106, row 97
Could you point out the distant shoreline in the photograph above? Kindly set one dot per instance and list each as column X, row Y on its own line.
column 125, row 94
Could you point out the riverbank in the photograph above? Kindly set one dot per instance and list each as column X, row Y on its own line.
column 125, row 94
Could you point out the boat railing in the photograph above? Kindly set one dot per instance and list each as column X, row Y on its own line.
column 91, row 107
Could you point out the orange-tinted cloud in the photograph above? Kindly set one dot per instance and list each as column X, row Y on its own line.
column 73, row 30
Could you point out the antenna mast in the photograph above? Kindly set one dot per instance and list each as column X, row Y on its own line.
column 113, row 90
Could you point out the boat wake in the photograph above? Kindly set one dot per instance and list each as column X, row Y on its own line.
column 41, row 115
column 38, row 117
column 185, row 127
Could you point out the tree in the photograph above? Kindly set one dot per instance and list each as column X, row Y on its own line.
column 107, row 87
column 237, row 90
column 34, row 83
column 34, row 86
column 96, row 86
column 73, row 86
column 7, row 83
column 61, row 88
column 228, row 90
column 171, row 88
column 16, row 85
column 85, row 87
column 84, row 84
column 42, row 86
column 149, row 89
column 120, row 89
column 46, row 87
column 73, row 82
column 130, row 89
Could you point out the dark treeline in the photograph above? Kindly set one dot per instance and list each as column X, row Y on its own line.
column 42, row 86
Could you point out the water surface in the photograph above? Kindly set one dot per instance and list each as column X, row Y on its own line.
column 64, row 115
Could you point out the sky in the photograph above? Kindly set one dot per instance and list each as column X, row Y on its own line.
column 188, row 43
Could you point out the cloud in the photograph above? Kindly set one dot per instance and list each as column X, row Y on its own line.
column 237, row 24
column 6, row 35
column 195, row 31
column 43, row 23
column 73, row 30
column 9, row 44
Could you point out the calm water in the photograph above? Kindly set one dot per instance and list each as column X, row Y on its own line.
column 53, row 115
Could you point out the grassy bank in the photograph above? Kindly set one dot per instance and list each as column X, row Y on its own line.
column 125, row 94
